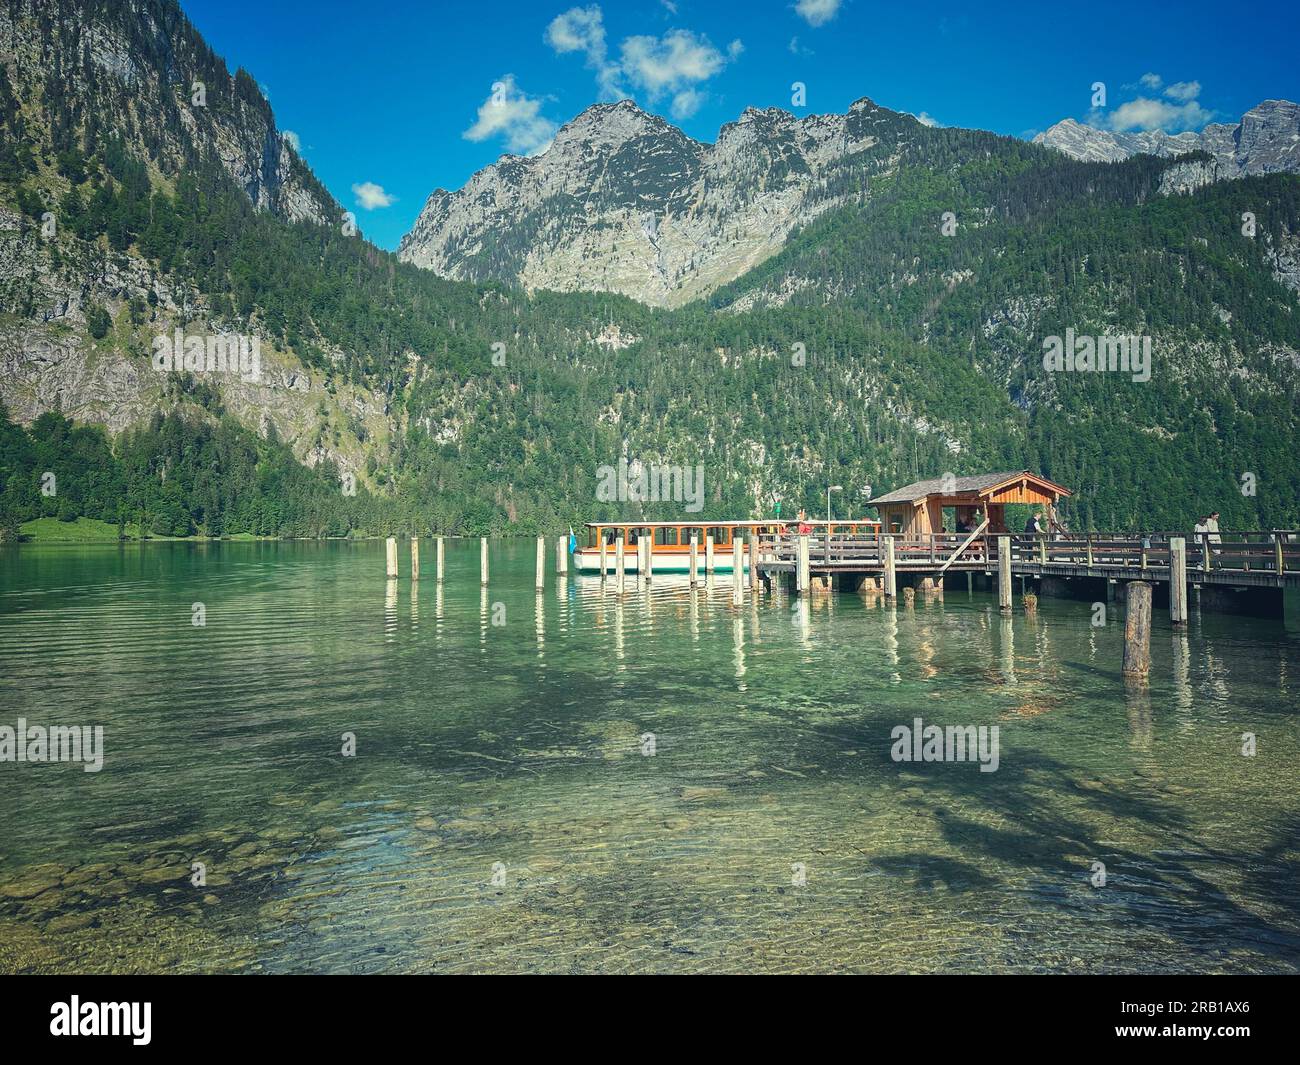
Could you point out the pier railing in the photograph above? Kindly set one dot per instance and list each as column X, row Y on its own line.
column 1265, row 551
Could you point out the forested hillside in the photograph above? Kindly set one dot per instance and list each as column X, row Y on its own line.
column 874, row 349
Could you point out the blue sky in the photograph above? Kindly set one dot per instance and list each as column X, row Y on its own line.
column 391, row 100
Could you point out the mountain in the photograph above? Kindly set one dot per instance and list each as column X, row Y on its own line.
column 622, row 201
column 1265, row 141
column 887, row 325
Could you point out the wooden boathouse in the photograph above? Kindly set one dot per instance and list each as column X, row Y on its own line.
column 917, row 509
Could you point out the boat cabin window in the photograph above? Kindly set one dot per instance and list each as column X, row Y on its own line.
column 666, row 537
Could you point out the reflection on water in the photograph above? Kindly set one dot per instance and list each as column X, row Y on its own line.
column 501, row 812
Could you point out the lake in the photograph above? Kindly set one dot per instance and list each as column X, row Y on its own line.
column 660, row 781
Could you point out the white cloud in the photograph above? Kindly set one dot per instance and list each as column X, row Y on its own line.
column 582, row 29
column 369, row 196
column 1184, row 90
column 673, row 66
column 295, row 142
column 509, row 112
column 1152, row 81
column 1145, row 113
column 671, row 63
column 817, row 12
column 686, row 103
column 926, row 120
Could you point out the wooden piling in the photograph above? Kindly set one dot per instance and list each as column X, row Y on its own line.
column 891, row 576
column 803, row 580
column 619, row 562
column 649, row 557
column 442, row 558
column 392, row 556
column 1004, row 574
column 1178, row 580
column 737, row 565
column 753, row 560
column 604, row 556
column 483, row 560
column 415, row 558
column 1137, row 630
column 1279, row 563
column 562, row 556
column 708, row 553
column 695, row 559
column 541, row 563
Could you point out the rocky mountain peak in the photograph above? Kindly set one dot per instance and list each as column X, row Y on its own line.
column 1266, row 140
column 624, row 201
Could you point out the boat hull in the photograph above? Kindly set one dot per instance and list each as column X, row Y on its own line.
column 585, row 561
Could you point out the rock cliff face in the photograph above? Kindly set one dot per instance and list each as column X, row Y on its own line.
column 138, row 77
column 623, row 201
column 146, row 76
column 1265, row 141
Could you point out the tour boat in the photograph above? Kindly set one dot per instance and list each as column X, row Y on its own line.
column 672, row 542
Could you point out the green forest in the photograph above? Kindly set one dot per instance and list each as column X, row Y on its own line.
column 921, row 357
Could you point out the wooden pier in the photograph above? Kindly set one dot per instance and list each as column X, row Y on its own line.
column 1268, row 559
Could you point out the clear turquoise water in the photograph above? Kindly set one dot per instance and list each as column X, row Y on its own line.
column 517, row 748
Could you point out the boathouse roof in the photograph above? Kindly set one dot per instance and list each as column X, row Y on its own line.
column 976, row 484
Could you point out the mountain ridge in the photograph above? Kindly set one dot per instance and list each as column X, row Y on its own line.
column 664, row 219
column 701, row 214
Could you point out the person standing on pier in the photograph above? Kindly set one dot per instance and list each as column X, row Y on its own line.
column 1212, row 537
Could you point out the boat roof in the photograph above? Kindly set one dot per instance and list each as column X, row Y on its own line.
column 710, row 523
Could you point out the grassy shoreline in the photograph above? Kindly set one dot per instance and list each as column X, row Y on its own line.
column 94, row 531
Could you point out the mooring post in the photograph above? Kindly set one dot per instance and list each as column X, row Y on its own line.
column 415, row 558
column 391, row 552
column 1178, row 580
column 753, row 560
column 442, row 559
column 695, row 558
column 1004, row 574
column 891, row 576
column 1205, row 552
column 802, row 579
column 708, row 553
column 1278, row 562
column 541, row 563
column 604, row 554
column 562, row 556
column 1137, row 629
column 641, row 563
column 482, row 560
column 737, row 565
column 619, row 562
column 650, row 557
